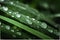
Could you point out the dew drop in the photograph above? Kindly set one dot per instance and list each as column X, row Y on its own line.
column 12, row 30
column 33, row 19
column 50, row 30
column 29, row 22
column 12, row 15
column 18, row 15
column 1, row 0
column 5, row 8
column 0, row 23
column 11, row 2
column 8, row 27
column 43, row 25
column 23, row 8
column 27, row 16
column 37, row 21
column 19, row 33
column 10, row 12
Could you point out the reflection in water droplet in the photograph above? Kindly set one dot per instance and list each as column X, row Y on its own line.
column 29, row 22
column 18, row 15
column 12, row 30
column 19, row 33
column 8, row 27
column 43, row 25
column 5, row 8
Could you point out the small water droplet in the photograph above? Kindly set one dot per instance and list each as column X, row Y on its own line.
column 43, row 25
column 29, row 22
column 18, row 15
column 1, row 0
column 11, row 2
column 33, row 19
column 8, row 27
column 19, row 33
column 12, row 30
column 5, row 8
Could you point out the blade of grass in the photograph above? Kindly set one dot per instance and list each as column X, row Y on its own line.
column 39, row 34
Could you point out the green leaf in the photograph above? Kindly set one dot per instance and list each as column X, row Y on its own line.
column 39, row 34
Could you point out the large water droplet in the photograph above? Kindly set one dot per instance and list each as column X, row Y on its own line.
column 19, row 33
column 5, row 8
column 18, row 15
column 43, row 25
column 8, row 27
column 29, row 22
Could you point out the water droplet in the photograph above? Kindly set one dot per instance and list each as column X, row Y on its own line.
column 8, row 27
column 11, row 2
column 37, row 21
column 22, row 8
column 12, row 30
column 0, row 23
column 1, row 0
column 10, row 12
column 19, row 33
column 33, row 19
column 29, row 22
column 12, row 15
column 27, row 16
column 5, row 8
column 18, row 15
column 50, row 30
column 43, row 25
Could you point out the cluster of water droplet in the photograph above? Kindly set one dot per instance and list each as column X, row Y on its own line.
column 9, row 28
